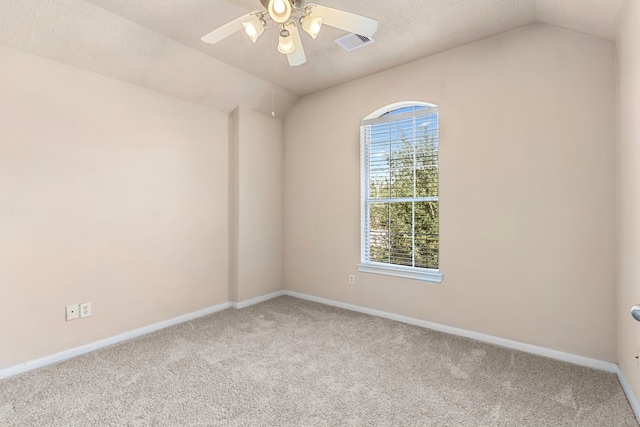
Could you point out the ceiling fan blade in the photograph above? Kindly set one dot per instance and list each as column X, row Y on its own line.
column 227, row 29
column 297, row 57
column 344, row 20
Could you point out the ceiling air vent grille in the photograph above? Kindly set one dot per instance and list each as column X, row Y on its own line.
column 353, row 41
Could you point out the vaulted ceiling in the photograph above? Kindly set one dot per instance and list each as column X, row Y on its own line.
column 156, row 44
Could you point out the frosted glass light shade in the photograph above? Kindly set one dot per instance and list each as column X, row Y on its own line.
column 286, row 45
column 280, row 10
column 254, row 28
column 311, row 24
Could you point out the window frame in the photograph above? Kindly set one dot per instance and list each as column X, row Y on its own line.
column 366, row 266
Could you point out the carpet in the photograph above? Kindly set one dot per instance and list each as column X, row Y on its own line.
column 289, row 362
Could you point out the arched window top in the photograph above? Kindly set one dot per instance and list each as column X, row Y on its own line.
column 402, row 110
column 399, row 108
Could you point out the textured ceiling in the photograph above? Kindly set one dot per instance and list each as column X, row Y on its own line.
column 408, row 30
column 156, row 43
column 83, row 35
column 593, row 17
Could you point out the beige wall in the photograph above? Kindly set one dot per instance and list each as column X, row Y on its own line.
column 528, row 190
column 109, row 193
column 134, row 201
column 628, row 50
column 256, row 203
column 234, row 205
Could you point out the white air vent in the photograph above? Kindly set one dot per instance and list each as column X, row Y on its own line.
column 353, row 41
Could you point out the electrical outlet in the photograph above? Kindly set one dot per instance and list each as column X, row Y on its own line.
column 85, row 309
column 73, row 312
column 352, row 279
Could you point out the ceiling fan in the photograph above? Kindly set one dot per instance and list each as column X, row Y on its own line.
column 285, row 13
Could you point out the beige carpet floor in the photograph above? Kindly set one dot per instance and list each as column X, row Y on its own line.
column 288, row 362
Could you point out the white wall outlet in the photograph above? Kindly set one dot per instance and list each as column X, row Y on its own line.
column 352, row 279
column 73, row 312
column 85, row 309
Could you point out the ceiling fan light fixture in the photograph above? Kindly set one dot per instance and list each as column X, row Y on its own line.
column 286, row 44
column 280, row 10
column 287, row 14
column 255, row 27
column 311, row 24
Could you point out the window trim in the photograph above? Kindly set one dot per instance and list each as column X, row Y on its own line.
column 416, row 273
column 425, row 274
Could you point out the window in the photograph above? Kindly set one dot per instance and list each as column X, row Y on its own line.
column 399, row 192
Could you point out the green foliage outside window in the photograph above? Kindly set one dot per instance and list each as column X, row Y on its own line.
column 403, row 164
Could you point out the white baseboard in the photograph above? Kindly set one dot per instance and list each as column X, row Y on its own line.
column 515, row 345
column 256, row 300
column 633, row 402
column 57, row 357
column 48, row 360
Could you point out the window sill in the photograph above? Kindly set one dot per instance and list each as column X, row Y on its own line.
column 423, row 274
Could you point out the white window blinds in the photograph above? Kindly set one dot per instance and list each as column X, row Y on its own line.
column 400, row 189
